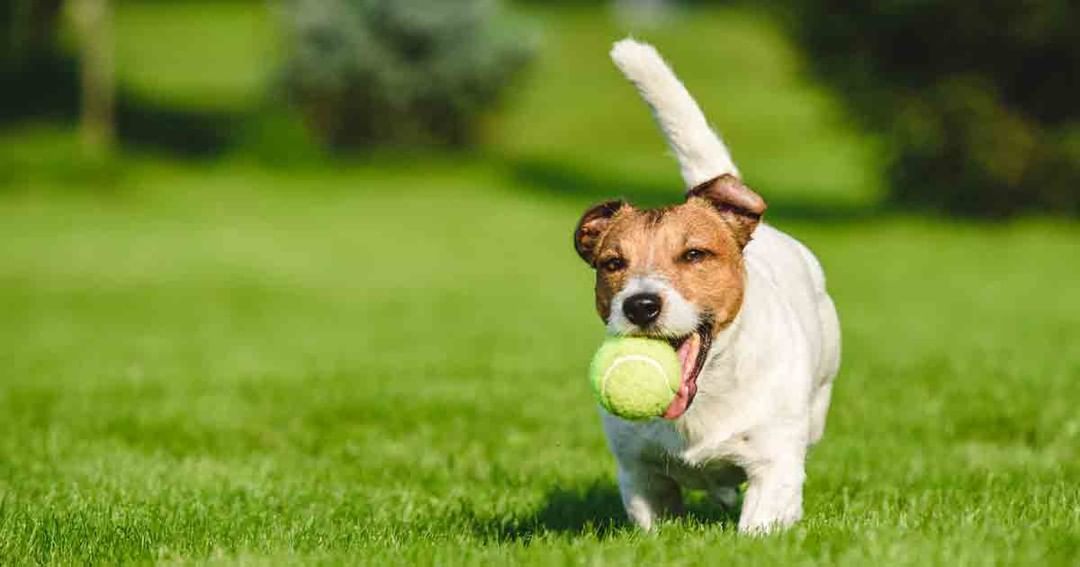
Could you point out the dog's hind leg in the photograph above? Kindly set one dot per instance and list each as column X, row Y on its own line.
column 830, row 365
column 649, row 496
column 819, row 411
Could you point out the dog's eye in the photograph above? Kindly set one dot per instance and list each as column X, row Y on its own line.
column 694, row 255
column 613, row 264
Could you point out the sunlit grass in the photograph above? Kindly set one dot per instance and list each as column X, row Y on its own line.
column 235, row 364
column 196, row 54
column 787, row 135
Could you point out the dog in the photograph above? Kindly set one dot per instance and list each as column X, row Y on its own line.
column 744, row 304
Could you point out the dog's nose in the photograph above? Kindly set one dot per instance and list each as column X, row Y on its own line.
column 642, row 309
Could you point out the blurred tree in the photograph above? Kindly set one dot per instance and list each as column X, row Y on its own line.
column 37, row 76
column 29, row 26
column 977, row 100
column 97, row 84
column 399, row 71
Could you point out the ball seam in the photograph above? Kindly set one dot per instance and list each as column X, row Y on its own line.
column 630, row 358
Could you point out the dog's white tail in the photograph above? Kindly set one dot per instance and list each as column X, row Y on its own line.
column 702, row 155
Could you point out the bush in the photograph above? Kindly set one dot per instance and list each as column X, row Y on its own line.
column 39, row 79
column 399, row 71
column 977, row 100
column 27, row 28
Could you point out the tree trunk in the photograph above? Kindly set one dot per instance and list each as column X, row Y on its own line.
column 96, row 66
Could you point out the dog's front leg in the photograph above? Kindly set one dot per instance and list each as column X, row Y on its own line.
column 774, row 497
column 648, row 496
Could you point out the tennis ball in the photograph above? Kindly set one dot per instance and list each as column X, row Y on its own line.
column 634, row 377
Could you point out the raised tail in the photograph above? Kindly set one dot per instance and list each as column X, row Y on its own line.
column 702, row 155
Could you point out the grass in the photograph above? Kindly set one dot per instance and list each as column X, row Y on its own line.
column 789, row 136
column 197, row 54
column 383, row 362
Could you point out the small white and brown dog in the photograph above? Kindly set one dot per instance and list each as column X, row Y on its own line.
column 744, row 304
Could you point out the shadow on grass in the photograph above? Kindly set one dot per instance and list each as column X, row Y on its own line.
column 43, row 86
column 589, row 186
column 179, row 131
column 565, row 180
column 47, row 87
column 593, row 510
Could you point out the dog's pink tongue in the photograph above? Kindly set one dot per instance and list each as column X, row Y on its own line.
column 688, row 354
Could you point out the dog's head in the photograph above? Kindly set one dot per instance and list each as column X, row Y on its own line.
column 674, row 273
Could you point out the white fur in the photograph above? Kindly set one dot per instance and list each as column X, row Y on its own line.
column 764, row 392
column 762, row 400
column 702, row 155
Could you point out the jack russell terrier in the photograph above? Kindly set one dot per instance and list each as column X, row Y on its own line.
column 744, row 304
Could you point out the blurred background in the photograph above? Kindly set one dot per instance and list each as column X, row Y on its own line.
column 960, row 108
column 266, row 251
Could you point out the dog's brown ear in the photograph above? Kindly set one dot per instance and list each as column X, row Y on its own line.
column 740, row 206
column 592, row 226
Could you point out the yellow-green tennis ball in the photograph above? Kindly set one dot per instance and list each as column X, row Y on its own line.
column 634, row 377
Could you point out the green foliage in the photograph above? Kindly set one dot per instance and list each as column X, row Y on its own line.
column 386, row 71
column 977, row 99
column 37, row 77
column 27, row 29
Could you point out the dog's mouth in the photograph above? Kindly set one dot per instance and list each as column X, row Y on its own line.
column 693, row 349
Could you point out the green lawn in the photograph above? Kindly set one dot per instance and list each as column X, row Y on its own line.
column 199, row 54
column 383, row 362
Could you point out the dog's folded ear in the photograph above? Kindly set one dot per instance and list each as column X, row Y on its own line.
column 740, row 206
column 591, row 228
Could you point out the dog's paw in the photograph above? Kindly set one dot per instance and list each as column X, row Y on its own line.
column 764, row 521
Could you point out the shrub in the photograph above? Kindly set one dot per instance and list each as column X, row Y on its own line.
column 399, row 71
column 27, row 28
column 38, row 78
column 976, row 100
